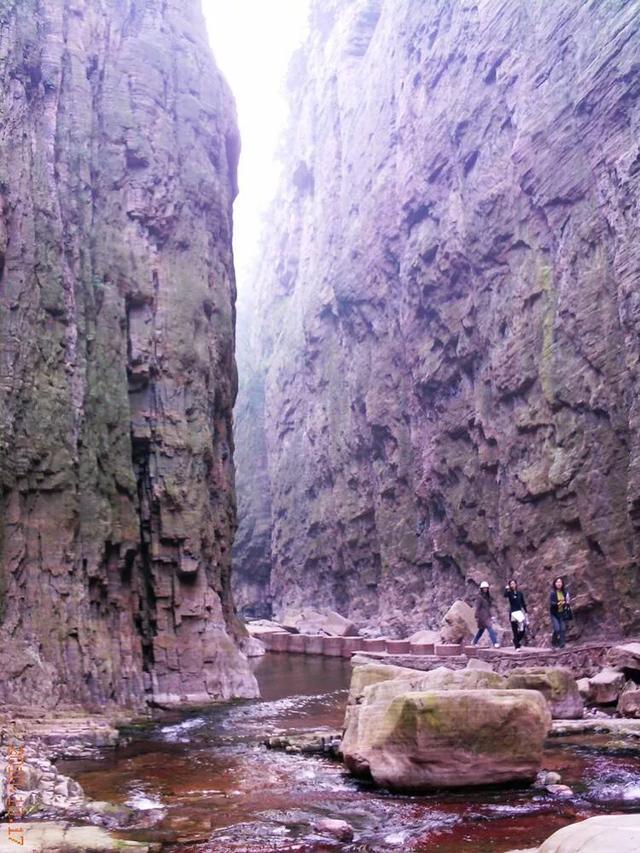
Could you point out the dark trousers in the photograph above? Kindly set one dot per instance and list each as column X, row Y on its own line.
column 481, row 631
column 559, row 631
column 518, row 634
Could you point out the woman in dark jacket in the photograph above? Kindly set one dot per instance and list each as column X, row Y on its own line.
column 517, row 611
column 483, row 615
column 559, row 608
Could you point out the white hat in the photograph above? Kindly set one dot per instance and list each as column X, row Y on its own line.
column 484, row 585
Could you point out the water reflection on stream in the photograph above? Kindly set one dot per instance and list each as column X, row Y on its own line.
column 219, row 790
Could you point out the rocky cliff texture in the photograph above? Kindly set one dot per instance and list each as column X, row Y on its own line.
column 118, row 153
column 252, row 546
column 450, row 312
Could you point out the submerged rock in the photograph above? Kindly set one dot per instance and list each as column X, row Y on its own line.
column 309, row 743
column 339, row 829
column 547, row 777
column 556, row 684
column 450, row 738
column 563, row 792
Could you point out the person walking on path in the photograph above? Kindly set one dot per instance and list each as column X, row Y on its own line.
column 483, row 615
column 517, row 612
column 560, row 610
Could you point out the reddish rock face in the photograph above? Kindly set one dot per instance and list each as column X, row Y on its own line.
column 449, row 314
column 118, row 151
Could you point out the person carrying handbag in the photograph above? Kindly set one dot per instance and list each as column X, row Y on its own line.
column 517, row 612
column 560, row 610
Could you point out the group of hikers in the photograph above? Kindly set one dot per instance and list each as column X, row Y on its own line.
column 559, row 609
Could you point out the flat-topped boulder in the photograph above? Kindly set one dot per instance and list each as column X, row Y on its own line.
column 606, row 686
column 436, row 679
column 557, row 685
column 368, row 674
column 310, row 621
column 260, row 627
column 626, row 656
column 448, row 738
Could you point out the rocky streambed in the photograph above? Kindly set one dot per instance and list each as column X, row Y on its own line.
column 204, row 781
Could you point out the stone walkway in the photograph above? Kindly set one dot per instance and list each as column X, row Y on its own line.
column 584, row 659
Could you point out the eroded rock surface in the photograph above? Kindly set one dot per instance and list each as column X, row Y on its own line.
column 557, row 685
column 451, row 738
column 448, row 315
column 118, row 151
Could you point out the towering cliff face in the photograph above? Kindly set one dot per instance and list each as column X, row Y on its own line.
column 450, row 311
column 118, row 154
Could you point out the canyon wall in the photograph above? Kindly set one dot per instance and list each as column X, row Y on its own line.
column 448, row 314
column 118, row 155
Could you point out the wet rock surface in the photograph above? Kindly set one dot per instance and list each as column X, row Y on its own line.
column 118, row 150
column 312, row 743
column 445, row 333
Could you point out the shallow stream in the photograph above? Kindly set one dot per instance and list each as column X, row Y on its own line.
column 214, row 788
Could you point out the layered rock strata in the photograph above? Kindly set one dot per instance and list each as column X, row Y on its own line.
column 118, row 154
column 448, row 314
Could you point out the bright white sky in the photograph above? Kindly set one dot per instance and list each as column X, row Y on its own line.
column 253, row 41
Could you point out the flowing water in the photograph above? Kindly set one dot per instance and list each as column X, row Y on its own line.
column 209, row 786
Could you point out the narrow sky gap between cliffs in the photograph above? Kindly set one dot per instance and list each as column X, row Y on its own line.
column 253, row 42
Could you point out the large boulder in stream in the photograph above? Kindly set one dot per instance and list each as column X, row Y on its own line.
column 603, row 834
column 448, row 738
column 381, row 702
column 557, row 685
